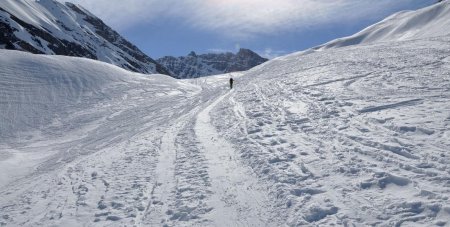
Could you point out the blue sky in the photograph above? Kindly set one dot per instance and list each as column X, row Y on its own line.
column 269, row 27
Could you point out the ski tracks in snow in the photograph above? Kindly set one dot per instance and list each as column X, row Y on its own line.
column 155, row 169
column 237, row 197
column 344, row 145
column 200, row 180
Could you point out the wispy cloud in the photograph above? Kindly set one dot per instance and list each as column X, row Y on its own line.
column 270, row 54
column 239, row 18
column 219, row 50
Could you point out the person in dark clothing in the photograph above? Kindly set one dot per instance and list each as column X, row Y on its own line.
column 231, row 83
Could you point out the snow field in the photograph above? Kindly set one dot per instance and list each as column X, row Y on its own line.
column 114, row 148
column 96, row 152
column 366, row 142
column 351, row 136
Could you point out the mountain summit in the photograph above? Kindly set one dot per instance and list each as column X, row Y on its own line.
column 194, row 65
column 50, row 27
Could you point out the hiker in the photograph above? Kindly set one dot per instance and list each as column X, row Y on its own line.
column 231, row 83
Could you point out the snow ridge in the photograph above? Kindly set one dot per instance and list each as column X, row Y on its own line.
column 406, row 25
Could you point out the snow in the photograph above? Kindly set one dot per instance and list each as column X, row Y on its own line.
column 366, row 142
column 406, row 25
column 351, row 136
column 64, row 95
column 233, row 186
column 44, row 14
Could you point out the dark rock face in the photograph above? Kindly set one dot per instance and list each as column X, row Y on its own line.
column 194, row 65
column 72, row 31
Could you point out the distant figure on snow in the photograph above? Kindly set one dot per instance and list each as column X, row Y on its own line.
column 231, row 83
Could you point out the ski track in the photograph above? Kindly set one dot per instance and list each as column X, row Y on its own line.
column 237, row 197
column 136, row 167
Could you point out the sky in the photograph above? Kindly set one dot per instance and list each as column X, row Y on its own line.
column 269, row 27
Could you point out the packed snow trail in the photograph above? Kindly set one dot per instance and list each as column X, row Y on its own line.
column 128, row 155
column 237, row 196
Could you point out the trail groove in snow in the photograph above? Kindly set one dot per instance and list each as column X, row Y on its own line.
column 164, row 183
column 237, row 197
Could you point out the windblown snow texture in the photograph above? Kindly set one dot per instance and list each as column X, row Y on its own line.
column 406, row 25
column 193, row 65
column 351, row 136
column 50, row 27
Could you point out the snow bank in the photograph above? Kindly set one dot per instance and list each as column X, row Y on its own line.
column 56, row 109
column 36, row 90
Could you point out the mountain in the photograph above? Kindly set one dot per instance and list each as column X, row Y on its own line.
column 50, row 27
column 406, row 25
column 194, row 65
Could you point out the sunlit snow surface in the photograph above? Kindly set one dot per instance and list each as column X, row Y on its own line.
column 428, row 22
column 371, row 145
column 352, row 136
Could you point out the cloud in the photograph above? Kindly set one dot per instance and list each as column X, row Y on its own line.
column 122, row 14
column 270, row 54
column 238, row 18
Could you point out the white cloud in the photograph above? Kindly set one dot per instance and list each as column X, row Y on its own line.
column 270, row 54
column 238, row 18
column 218, row 50
column 125, row 13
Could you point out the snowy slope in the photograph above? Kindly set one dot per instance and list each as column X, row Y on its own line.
column 349, row 136
column 50, row 27
column 45, row 97
column 36, row 90
column 428, row 22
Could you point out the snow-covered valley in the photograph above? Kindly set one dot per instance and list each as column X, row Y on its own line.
column 350, row 136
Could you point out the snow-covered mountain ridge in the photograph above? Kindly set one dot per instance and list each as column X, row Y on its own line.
column 431, row 21
column 50, row 27
column 194, row 65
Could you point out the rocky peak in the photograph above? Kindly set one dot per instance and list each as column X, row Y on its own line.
column 192, row 54
column 50, row 27
column 248, row 54
column 194, row 65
